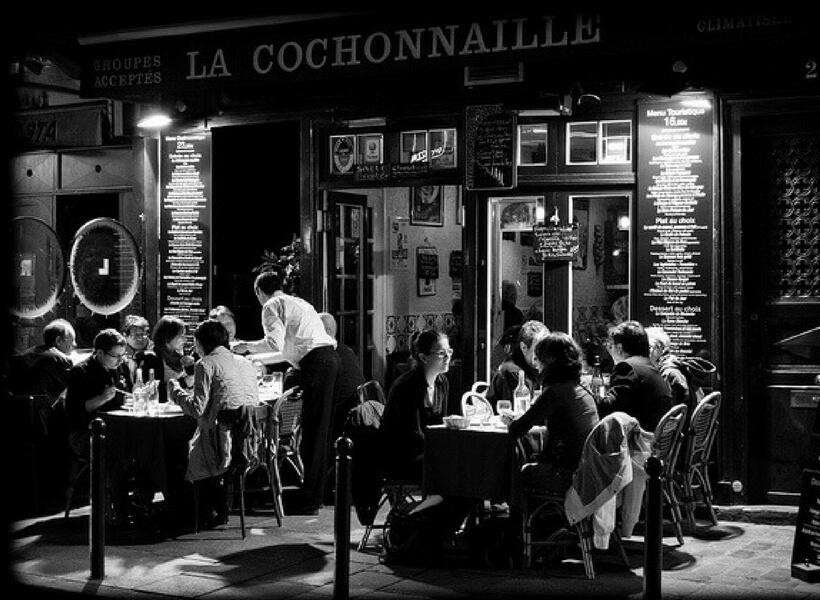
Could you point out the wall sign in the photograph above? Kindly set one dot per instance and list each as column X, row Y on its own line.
column 555, row 242
column 491, row 148
column 675, row 221
column 806, row 548
column 185, row 227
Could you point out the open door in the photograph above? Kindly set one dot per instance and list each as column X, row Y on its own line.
column 349, row 272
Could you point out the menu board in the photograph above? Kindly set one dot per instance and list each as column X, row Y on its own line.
column 490, row 150
column 806, row 549
column 674, row 216
column 185, row 227
column 555, row 242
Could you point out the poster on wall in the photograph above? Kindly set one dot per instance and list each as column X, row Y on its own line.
column 427, row 271
column 674, row 215
column 399, row 244
column 185, row 227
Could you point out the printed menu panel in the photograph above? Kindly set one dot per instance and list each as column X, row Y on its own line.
column 185, row 227
column 674, row 216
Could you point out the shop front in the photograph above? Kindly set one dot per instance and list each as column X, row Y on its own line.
column 579, row 168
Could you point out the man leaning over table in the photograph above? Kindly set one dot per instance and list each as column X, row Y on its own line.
column 96, row 385
column 293, row 327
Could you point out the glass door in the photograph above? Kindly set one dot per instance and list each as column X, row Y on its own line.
column 349, row 262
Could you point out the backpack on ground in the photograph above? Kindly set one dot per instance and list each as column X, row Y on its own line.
column 413, row 539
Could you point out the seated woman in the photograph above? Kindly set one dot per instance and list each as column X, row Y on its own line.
column 225, row 315
column 416, row 399
column 168, row 360
column 221, row 380
column 567, row 409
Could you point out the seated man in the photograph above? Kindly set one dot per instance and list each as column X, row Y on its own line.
column 96, row 385
column 636, row 386
column 45, row 367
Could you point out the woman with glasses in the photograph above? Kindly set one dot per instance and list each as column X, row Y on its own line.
column 416, row 399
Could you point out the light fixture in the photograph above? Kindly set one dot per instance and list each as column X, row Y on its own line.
column 154, row 121
column 623, row 221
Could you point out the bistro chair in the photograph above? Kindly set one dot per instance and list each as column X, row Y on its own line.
column 476, row 407
column 371, row 390
column 287, row 416
column 666, row 446
column 692, row 470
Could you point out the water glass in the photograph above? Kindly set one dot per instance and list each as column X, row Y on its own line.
column 503, row 405
column 278, row 382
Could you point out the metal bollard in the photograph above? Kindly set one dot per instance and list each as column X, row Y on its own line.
column 341, row 516
column 96, row 533
column 653, row 538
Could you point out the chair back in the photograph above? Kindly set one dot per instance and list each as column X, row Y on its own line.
column 371, row 390
column 702, row 429
column 480, row 387
column 287, row 413
column 476, row 407
column 669, row 436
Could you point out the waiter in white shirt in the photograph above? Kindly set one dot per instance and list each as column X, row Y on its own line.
column 293, row 327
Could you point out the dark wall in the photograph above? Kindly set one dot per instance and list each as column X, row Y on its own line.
column 255, row 208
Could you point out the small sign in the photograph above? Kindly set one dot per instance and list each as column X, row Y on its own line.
column 426, row 263
column 806, row 548
column 556, row 242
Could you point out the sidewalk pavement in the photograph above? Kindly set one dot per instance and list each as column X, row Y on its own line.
column 49, row 557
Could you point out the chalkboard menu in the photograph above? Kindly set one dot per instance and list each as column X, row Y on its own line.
column 185, row 227
column 555, row 242
column 490, row 149
column 806, row 549
column 674, row 216
column 426, row 263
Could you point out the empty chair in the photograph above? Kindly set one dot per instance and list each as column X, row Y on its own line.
column 476, row 407
column 371, row 390
column 693, row 465
column 666, row 445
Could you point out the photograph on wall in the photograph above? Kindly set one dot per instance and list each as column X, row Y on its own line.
column 427, row 287
column 442, row 148
column 427, row 205
column 370, row 147
column 342, row 154
column 399, row 242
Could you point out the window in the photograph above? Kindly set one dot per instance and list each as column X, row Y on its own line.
column 599, row 142
column 532, row 144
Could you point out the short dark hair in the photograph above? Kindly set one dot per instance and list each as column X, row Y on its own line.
column 132, row 321
column 268, row 282
column 167, row 328
column 632, row 337
column 211, row 334
column 561, row 356
column 107, row 339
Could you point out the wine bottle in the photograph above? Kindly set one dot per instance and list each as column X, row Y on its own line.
column 521, row 396
column 597, row 382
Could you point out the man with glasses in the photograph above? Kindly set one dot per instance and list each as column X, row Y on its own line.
column 96, row 384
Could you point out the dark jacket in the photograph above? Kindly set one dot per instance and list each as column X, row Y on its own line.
column 637, row 388
column 406, row 416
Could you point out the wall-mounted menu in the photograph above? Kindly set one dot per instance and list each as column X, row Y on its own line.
column 673, row 270
column 185, row 227
column 555, row 242
column 490, row 150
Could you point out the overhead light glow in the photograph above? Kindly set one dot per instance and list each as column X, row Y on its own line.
column 154, row 121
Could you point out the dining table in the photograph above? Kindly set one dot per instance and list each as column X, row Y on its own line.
column 156, row 442
column 479, row 462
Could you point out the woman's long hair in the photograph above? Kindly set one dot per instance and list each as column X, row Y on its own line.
column 561, row 357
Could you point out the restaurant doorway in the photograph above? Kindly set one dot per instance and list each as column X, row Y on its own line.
column 781, row 254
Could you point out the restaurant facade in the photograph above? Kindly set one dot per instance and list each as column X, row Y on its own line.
column 586, row 166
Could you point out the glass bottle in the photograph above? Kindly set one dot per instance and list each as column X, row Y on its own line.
column 140, row 392
column 597, row 383
column 152, row 400
column 521, row 396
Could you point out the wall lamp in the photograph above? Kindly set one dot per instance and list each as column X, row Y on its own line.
column 154, row 120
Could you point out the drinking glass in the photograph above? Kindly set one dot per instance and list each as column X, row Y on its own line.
column 278, row 380
column 503, row 405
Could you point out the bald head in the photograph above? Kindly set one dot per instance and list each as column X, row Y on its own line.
column 329, row 322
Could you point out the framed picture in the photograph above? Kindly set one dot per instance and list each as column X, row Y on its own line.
column 370, row 147
column 427, row 205
column 427, row 287
column 342, row 154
